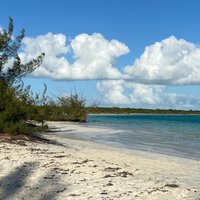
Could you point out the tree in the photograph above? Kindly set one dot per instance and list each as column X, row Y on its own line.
column 73, row 107
column 41, row 102
column 13, row 111
column 9, row 47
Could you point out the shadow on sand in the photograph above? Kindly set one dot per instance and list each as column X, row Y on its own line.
column 46, row 188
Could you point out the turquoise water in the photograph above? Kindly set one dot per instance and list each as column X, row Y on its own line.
column 169, row 134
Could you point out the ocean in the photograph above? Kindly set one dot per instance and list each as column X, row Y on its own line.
column 177, row 135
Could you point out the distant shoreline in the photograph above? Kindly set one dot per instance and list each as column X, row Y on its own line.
column 132, row 111
column 93, row 114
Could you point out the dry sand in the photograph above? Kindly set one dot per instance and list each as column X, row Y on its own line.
column 86, row 170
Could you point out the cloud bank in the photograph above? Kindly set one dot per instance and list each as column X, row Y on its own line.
column 120, row 92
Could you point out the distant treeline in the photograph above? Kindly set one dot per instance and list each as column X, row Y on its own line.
column 117, row 110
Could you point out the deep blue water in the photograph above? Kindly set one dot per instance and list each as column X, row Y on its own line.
column 169, row 134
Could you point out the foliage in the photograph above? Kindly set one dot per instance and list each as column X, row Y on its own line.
column 9, row 47
column 42, row 107
column 14, row 99
column 117, row 110
column 10, row 112
column 73, row 108
column 17, row 103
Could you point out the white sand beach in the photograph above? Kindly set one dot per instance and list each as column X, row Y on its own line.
column 75, row 169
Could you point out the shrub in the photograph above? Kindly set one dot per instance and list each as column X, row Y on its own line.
column 73, row 108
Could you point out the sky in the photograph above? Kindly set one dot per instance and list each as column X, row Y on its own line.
column 126, row 53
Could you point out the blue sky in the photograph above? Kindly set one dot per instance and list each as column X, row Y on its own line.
column 136, row 24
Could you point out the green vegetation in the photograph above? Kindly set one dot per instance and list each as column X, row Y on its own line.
column 117, row 110
column 13, row 105
column 18, row 105
column 73, row 107
column 66, row 108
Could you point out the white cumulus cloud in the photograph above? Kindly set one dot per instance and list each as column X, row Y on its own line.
column 54, row 47
column 123, row 93
column 169, row 62
column 113, row 92
column 94, row 56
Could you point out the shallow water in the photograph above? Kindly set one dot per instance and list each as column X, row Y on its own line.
column 171, row 134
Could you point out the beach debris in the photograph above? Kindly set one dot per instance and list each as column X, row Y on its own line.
column 125, row 174
column 6, row 158
column 109, row 184
column 74, row 195
column 109, row 176
column 59, row 156
column 104, row 192
column 158, row 189
column 80, row 163
column 49, row 177
column 112, row 169
column 172, row 185
column 93, row 166
column 73, row 171
column 62, row 190
column 62, row 171
column 83, row 180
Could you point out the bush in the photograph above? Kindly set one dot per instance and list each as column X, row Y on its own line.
column 73, row 108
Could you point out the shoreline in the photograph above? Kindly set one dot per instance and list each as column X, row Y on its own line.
column 79, row 169
column 79, row 128
column 75, row 129
column 110, row 114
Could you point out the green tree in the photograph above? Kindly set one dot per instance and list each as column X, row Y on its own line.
column 41, row 103
column 73, row 108
column 13, row 98
column 9, row 47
